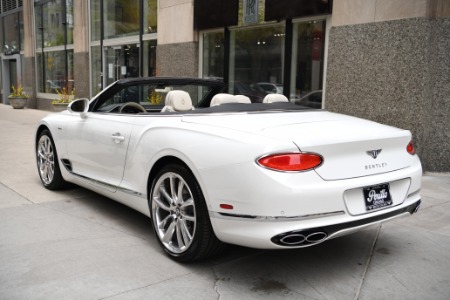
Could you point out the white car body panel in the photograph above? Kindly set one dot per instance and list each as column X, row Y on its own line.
column 95, row 148
column 221, row 151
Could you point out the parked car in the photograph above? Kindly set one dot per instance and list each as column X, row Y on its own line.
column 312, row 99
column 262, row 175
column 271, row 87
column 253, row 91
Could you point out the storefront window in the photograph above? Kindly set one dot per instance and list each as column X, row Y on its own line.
column 69, row 21
column 13, row 40
column 307, row 62
column 21, row 30
column 121, row 18
column 149, row 58
column 256, row 57
column 213, row 52
column 150, row 16
column 52, row 23
column 54, row 33
column 54, row 69
column 38, row 25
column 95, row 20
column 122, row 62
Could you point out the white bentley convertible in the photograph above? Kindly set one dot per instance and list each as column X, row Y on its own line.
column 211, row 168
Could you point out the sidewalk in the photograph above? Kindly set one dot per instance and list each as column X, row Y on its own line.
column 75, row 244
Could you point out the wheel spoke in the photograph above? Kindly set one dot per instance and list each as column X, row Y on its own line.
column 50, row 172
column 169, row 233
column 185, row 231
column 180, row 192
column 188, row 217
column 180, row 241
column 160, row 204
column 44, row 171
column 40, row 154
column 166, row 195
column 162, row 224
column 172, row 189
column 187, row 203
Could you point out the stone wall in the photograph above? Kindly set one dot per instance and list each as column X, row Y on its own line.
column 179, row 59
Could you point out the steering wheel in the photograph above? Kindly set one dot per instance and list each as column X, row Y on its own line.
column 133, row 106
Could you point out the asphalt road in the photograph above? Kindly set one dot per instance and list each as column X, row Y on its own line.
column 75, row 244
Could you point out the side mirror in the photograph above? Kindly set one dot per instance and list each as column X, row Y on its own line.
column 80, row 106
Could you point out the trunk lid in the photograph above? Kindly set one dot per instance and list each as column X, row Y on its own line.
column 350, row 147
column 347, row 144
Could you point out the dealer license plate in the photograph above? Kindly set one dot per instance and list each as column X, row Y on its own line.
column 377, row 196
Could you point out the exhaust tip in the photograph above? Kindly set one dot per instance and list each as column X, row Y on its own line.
column 296, row 239
column 316, row 237
column 416, row 209
column 293, row 239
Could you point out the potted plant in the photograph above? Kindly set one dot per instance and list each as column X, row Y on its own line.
column 65, row 96
column 18, row 99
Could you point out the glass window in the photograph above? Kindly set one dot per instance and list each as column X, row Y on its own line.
column 69, row 21
column 52, row 23
column 12, row 35
column 21, row 30
column 307, row 61
column 256, row 56
column 213, row 52
column 95, row 20
column 38, row 25
column 121, row 62
column 121, row 18
column 55, row 73
column 149, row 58
column 150, row 16
column 54, row 28
column 1, row 36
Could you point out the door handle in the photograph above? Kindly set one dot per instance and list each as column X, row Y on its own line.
column 118, row 138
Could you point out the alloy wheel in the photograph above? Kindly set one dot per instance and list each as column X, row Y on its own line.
column 173, row 212
column 46, row 159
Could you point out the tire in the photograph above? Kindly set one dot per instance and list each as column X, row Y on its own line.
column 180, row 217
column 47, row 162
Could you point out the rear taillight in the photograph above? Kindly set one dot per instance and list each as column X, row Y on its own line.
column 291, row 162
column 410, row 148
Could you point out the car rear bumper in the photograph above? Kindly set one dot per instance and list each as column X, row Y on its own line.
column 311, row 236
column 283, row 234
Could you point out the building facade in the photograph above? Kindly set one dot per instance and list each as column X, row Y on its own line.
column 383, row 60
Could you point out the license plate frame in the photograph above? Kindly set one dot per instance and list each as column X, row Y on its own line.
column 377, row 196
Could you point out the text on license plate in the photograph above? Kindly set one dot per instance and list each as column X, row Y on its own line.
column 377, row 196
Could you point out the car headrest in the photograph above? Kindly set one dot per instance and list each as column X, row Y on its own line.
column 271, row 98
column 178, row 101
column 223, row 98
column 243, row 99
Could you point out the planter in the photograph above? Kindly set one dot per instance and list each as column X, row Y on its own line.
column 58, row 107
column 18, row 103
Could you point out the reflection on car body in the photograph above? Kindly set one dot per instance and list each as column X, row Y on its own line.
column 264, row 175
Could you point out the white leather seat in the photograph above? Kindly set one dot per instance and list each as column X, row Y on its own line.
column 177, row 101
column 271, row 98
column 223, row 98
column 243, row 99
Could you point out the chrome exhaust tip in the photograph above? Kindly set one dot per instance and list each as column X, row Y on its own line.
column 295, row 239
column 416, row 209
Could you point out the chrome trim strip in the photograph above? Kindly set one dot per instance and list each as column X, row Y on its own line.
column 106, row 185
column 130, row 192
column 228, row 216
